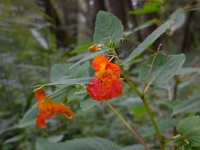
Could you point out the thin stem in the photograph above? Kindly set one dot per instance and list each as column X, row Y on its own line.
column 172, row 138
column 141, row 95
column 133, row 87
column 174, row 99
column 150, row 114
column 127, row 125
column 150, row 69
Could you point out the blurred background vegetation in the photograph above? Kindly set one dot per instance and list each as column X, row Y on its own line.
column 36, row 34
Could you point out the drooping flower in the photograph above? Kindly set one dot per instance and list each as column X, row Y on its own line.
column 47, row 108
column 106, row 84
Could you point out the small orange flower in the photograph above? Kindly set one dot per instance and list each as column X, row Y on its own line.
column 106, row 84
column 48, row 108
column 92, row 48
column 95, row 48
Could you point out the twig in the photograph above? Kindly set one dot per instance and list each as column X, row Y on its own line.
column 150, row 69
column 141, row 95
column 127, row 125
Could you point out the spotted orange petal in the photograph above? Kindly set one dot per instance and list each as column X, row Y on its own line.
column 110, row 73
column 113, row 67
column 39, row 94
column 48, row 108
column 40, row 121
column 98, row 91
column 59, row 108
column 99, row 63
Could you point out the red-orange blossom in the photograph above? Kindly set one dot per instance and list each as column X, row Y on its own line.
column 48, row 108
column 106, row 84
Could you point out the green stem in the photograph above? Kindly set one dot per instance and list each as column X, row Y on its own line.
column 141, row 95
column 133, row 87
column 127, row 125
column 158, row 133
column 148, row 110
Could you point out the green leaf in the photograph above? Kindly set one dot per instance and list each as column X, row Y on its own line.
column 29, row 117
column 55, row 138
column 90, row 143
column 71, row 93
column 149, row 7
column 186, row 105
column 163, row 69
column 189, row 89
column 179, row 17
column 136, row 147
column 59, row 72
column 68, row 82
column 81, row 48
column 89, row 56
column 189, row 129
column 148, row 41
column 87, row 103
column 14, row 139
column 62, row 72
column 164, row 125
column 38, row 37
column 108, row 28
column 188, row 70
column 138, row 110
column 81, row 70
column 146, row 24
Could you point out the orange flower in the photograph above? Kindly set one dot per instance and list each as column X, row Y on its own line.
column 48, row 108
column 92, row 48
column 106, row 84
column 95, row 48
column 99, row 63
